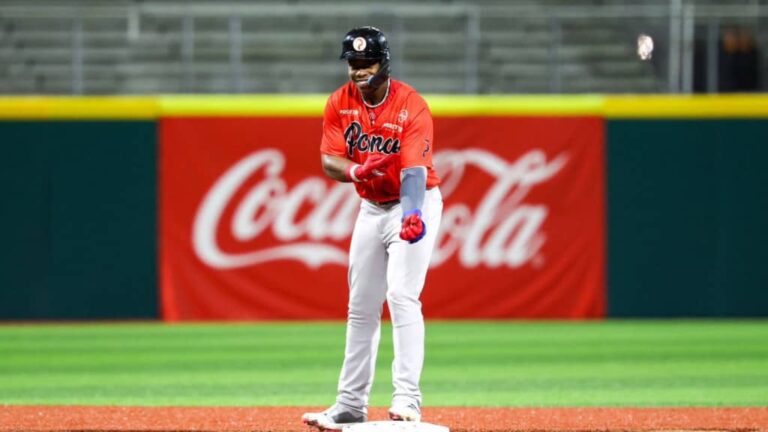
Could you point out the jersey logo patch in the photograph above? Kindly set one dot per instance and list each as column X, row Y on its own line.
column 403, row 116
column 359, row 43
column 394, row 127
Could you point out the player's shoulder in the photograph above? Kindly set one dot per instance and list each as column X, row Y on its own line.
column 344, row 95
column 343, row 100
column 344, row 89
column 410, row 97
column 405, row 90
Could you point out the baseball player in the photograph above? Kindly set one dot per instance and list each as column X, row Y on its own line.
column 377, row 134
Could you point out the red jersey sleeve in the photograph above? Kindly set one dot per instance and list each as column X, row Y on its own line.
column 416, row 146
column 332, row 142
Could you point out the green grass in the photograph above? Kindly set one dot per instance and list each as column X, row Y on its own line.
column 612, row 363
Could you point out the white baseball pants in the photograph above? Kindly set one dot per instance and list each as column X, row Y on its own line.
column 384, row 267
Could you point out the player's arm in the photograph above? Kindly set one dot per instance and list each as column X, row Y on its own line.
column 332, row 149
column 413, row 176
column 413, row 186
column 335, row 167
column 342, row 169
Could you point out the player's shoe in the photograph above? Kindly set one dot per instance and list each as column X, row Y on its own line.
column 405, row 412
column 334, row 418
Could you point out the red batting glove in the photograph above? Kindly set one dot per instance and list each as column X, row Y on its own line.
column 413, row 228
column 370, row 168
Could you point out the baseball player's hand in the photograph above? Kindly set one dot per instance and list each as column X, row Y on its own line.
column 370, row 169
column 413, row 228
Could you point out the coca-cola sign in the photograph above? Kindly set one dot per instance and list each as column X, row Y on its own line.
column 251, row 228
column 271, row 205
column 503, row 229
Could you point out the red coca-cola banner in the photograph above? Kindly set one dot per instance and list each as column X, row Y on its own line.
column 250, row 227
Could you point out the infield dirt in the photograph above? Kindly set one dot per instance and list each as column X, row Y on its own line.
column 458, row 419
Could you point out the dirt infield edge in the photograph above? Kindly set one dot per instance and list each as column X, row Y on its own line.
column 457, row 419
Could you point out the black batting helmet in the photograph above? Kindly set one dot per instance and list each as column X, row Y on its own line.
column 367, row 43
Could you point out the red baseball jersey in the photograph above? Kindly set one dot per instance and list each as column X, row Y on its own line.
column 401, row 124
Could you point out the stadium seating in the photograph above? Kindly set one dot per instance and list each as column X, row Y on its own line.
column 156, row 46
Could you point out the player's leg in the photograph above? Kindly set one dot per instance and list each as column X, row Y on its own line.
column 406, row 272
column 367, row 291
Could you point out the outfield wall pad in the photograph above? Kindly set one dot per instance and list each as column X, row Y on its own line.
column 685, row 200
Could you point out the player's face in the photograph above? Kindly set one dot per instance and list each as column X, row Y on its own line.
column 360, row 70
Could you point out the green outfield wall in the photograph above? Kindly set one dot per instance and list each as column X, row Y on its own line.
column 687, row 217
column 78, row 217
column 686, row 192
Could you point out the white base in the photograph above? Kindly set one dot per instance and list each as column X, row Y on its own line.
column 395, row 426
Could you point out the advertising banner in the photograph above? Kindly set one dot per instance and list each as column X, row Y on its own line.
column 251, row 229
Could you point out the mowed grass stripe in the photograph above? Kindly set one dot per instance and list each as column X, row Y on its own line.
column 612, row 363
